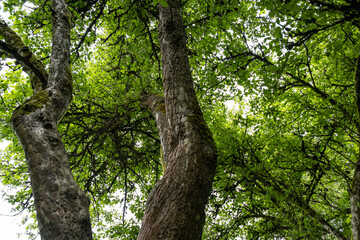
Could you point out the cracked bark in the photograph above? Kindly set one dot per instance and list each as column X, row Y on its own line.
column 62, row 208
column 175, row 206
column 355, row 191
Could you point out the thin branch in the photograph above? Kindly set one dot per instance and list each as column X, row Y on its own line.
column 89, row 28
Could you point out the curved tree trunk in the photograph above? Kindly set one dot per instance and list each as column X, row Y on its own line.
column 175, row 206
column 62, row 208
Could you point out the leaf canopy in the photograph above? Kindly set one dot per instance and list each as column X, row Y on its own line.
column 287, row 149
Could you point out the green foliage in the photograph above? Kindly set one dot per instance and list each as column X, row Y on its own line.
column 287, row 151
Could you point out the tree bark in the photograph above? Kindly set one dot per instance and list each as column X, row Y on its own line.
column 62, row 208
column 15, row 47
column 355, row 191
column 175, row 206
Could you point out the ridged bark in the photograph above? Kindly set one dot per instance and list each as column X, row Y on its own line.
column 355, row 191
column 175, row 206
column 62, row 208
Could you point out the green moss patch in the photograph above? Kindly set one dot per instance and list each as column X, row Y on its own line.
column 37, row 101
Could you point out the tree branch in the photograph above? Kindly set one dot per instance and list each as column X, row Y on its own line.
column 92, row 24
column 290, row 197
column 14, row 46
column 157, row 107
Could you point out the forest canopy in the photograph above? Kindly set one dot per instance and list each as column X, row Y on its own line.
column 278, row 84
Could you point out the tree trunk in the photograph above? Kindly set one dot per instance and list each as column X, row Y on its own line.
column 355, row 191
column 175, row 206
column 62, row 208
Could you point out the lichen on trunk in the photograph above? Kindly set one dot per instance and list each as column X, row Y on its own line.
column 36, row 101
column 62, row 208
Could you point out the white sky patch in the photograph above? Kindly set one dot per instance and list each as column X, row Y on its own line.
column 3, row 15
column 10, row 222
column 232, row 105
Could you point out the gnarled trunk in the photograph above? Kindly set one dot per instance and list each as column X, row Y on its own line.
column 62, row 208
column 175, row 206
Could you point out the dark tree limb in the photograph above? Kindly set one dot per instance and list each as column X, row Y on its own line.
column 90, row 27
column 282, row 190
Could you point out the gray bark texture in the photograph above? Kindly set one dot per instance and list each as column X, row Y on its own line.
column 355, row 191
column 16, row 48
column 62, row 208
column 175, row 207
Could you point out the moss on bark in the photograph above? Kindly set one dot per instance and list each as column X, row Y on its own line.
column 37, row 101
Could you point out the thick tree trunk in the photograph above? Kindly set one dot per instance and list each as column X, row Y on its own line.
column 175, row 206
column 355, row 204
column 355, row 191
column 62, row 208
